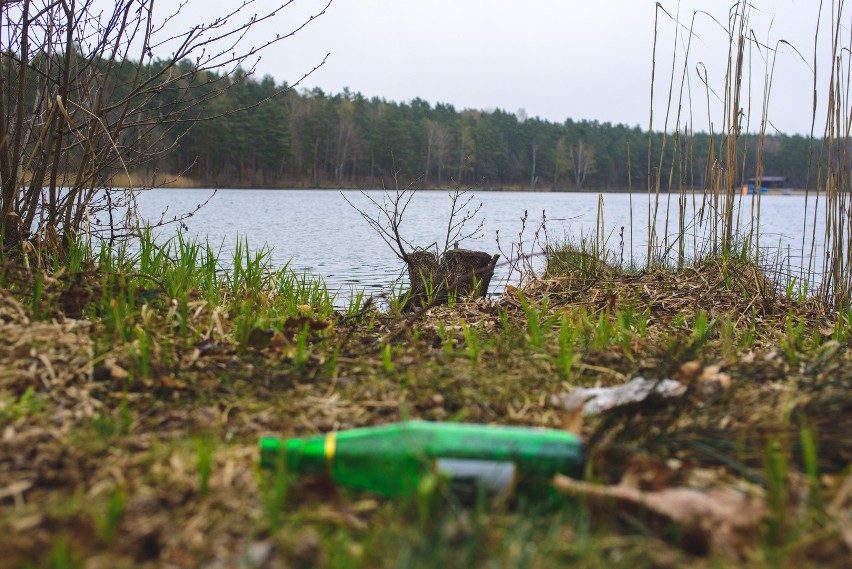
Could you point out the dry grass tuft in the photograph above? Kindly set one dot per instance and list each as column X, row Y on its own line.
column 52, row 357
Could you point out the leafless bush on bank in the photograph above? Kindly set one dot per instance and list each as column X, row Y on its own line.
column 85, row 94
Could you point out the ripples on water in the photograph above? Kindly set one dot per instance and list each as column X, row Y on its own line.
column 318, row 231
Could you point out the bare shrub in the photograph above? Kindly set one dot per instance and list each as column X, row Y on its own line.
column 435, row 271
column 83, row 97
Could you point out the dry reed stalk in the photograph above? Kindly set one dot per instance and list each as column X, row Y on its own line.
column 836, row 282
column 630, row 198
column 735, row 152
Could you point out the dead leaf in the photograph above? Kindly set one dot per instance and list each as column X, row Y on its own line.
column 365, row 506
column 341, row 518
column 292, row 326
column 839, row 509
column 646, row 473
column 689, row 371
column 406, row 360
column 260, row 337
column 278, row 343
column 572, row 419
column 713, row 381
column 299, row 323
column 722, row 521
column 27, row 523
column 117, row 372
column 169, row 382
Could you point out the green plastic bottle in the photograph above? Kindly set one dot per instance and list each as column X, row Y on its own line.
column 393, row 459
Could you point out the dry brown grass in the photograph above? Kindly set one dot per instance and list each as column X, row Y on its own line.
column 158, row 180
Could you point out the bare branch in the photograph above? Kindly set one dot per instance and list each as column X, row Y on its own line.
column 82, row 94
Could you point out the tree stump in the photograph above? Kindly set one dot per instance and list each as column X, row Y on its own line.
column 468, row 273
column 423, row 271
column 458, row 273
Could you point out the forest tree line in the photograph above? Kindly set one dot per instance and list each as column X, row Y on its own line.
column 309, row 138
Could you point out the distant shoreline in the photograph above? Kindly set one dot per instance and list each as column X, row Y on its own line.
column 180, row 182
column 696, row 191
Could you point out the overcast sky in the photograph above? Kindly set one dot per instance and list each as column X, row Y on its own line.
column 557, row 59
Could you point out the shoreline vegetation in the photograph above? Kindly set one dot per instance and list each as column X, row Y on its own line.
column 179, row 182
column 137, row 375
column 135, row 388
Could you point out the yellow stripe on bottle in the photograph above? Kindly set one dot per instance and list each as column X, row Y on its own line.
column 330, row 448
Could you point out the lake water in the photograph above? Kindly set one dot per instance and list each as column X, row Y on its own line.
column 318, row 231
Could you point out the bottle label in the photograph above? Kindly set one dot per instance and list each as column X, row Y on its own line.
column 468, row 475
